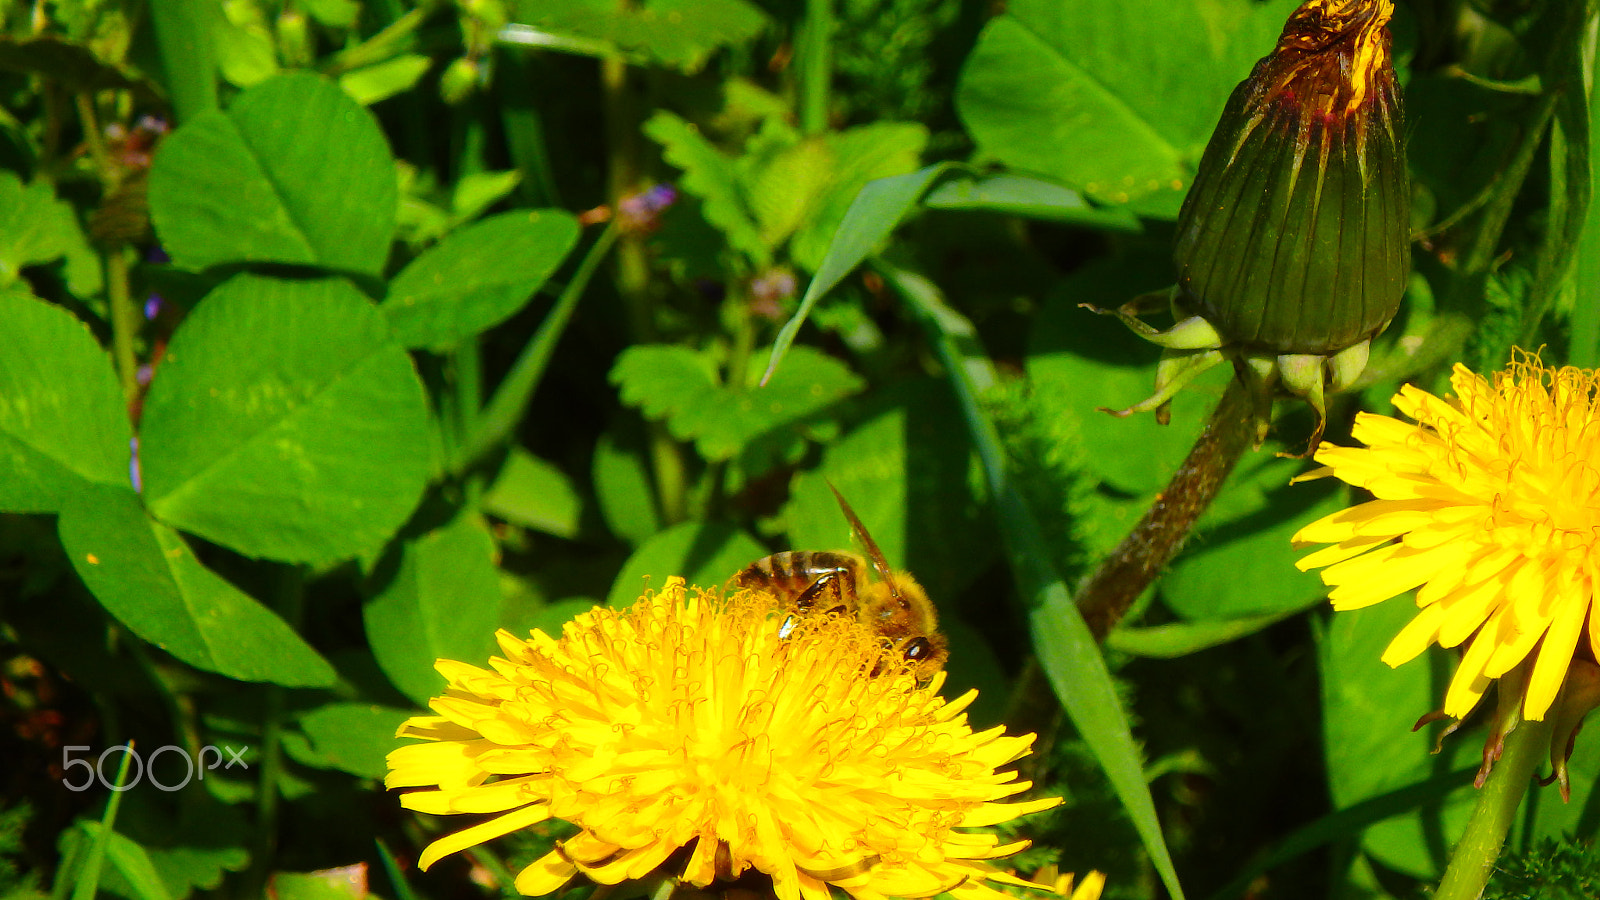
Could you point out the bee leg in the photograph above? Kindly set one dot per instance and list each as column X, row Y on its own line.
column 829, row 586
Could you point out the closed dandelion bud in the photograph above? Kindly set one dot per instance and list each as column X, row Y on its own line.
column 1294, row 237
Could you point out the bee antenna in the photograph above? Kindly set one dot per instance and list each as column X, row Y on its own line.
column 873, row 553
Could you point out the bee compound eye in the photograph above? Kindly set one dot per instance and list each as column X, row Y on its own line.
column 917, row 649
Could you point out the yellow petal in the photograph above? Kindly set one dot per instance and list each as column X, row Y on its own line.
column 1550, row 669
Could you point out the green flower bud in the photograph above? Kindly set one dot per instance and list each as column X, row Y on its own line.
column 1294, row 238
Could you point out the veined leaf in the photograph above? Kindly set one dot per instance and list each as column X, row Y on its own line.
column 285, row 422
column 144, row 573
column 294, row 172
column 1116, row 97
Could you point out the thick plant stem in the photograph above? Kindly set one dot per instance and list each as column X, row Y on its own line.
column 1123, row 575
column 816, row 65
column 1479, row 847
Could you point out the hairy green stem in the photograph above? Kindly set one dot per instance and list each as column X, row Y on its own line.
column 510, row 400
column 1473, row 860
column 1124, row 574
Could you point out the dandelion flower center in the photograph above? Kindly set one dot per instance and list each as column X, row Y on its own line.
column 687, row 722
column 1488, row 506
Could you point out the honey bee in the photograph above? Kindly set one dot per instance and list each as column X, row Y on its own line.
column 838, row 581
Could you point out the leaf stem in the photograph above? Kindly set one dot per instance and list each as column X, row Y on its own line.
column 1473, row 860
column 1125, row 573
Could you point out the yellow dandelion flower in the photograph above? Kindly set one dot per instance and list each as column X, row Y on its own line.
column 685, row 723
column 1488, row 506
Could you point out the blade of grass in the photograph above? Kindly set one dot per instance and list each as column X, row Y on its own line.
column 1066, row 649
column 88, row 880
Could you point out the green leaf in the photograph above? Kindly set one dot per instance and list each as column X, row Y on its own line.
column 680, row 33
column 129, row 861
column 285, row 423
column 245, row 50
column 622, row 487
column 63, row 422
column 912, row 479
column 855, row 157
column 478, row 191
column 680, row 385
column 874, row 214
column 1095, row 362
column 878, row 208
column 1173, row 641
column 143, row 573
column 705, row 554
column 1244, row 540
column 294, row 172
column 534, row 493
column 327, row 884
column 1031, row 198
column 477, row 277
column 380, row 81
column 334, row 13
column 713, row 177
column 347, row 737
column 1368, row 713
column 40, row 229
column 1066, row 649
column 1116, row 97
column 440, row 601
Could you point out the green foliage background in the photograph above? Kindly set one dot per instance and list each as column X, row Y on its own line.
column 338, row 334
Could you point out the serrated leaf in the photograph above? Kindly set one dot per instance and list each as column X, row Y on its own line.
column 63, row 423
column 1097, row 363
column 284, row 422
column 477, row 277
column 1116, row 97
column 713, row 177
column 534, row 493
column 41, row 229
column 143, row 573
column 681, row 386
column 248, row 185
column 442, row 601
column 705, row 554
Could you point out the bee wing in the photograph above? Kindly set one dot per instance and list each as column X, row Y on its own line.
column 879, row 564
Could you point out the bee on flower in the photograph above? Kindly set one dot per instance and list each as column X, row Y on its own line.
column 692, row 737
